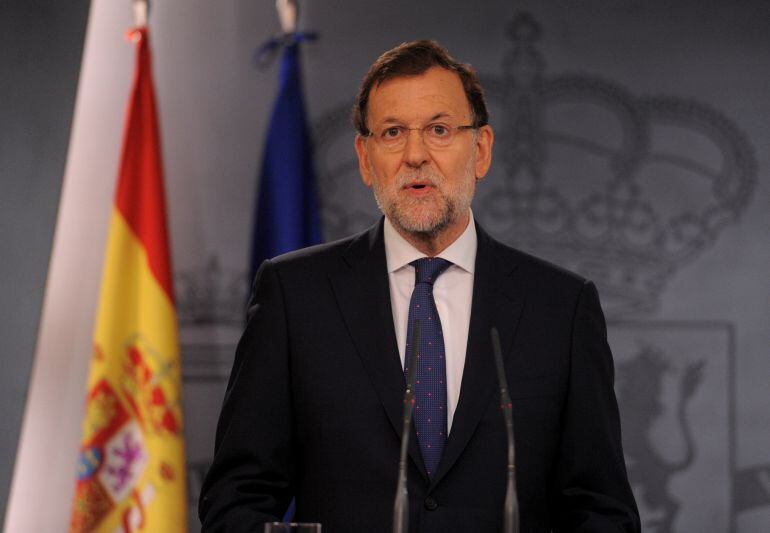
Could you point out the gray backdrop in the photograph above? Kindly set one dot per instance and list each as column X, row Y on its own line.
column 632, row 146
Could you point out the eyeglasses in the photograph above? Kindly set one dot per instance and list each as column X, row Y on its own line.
column 434, row 135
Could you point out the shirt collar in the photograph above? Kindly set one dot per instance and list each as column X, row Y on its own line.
column 462, row 252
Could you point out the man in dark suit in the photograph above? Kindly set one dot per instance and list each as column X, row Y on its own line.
column 313, row 406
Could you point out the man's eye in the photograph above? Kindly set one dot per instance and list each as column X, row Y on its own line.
column 438, row 130
column 391, row 133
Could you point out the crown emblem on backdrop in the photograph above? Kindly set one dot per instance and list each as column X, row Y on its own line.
column 623, row 189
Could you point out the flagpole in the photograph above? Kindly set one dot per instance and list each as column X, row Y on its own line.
column 141, row 9
column 287, row 14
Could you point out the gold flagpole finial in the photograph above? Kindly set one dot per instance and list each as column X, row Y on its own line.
column 287, row 14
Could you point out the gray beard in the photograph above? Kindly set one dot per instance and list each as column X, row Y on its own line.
column 425, row 229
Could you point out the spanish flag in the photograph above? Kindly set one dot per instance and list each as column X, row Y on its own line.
column 131, row 469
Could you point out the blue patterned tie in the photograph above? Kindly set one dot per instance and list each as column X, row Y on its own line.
column 430, row 409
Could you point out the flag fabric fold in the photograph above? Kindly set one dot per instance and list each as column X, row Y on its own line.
column 131, row 469
column 287, row 214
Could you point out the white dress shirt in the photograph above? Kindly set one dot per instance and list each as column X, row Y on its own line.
column 452, row 291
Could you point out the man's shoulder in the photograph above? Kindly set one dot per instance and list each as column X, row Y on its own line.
column 327, row 254
column 535, row 270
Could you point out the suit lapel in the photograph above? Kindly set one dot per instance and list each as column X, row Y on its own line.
column 497, row 301
column 362, row 290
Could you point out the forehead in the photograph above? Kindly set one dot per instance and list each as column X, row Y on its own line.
column 417, row 98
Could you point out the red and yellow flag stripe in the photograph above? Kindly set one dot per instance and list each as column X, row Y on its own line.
column 131, row 470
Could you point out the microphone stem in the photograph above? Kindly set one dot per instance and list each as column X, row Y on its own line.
column 401, row 502
column 511, row 506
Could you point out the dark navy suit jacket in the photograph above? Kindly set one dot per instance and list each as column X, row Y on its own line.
column 314, row 403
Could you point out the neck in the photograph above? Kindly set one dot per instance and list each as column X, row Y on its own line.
column 432, row 244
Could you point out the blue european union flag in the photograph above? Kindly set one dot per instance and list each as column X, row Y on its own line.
column 287, row 215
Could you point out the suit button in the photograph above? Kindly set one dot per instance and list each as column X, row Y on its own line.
column 431, row 504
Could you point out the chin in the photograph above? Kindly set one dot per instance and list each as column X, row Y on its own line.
column 424, row 222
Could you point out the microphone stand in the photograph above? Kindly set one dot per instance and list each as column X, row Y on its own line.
column 401, row 503
column 511, row 507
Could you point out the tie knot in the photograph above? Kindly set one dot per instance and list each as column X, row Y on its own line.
column 428, row 269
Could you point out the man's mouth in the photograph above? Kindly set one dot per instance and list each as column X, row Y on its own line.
column 418, row 185
column 419, row 189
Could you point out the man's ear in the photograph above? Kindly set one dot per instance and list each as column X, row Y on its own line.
column 485, row 138
column 363, row 160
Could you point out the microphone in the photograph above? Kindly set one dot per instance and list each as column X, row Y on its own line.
column 511, row 507
column 401, row 502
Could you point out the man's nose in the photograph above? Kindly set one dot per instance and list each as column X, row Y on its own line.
column 415, row 152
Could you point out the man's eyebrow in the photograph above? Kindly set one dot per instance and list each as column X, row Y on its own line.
column 394, row 120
